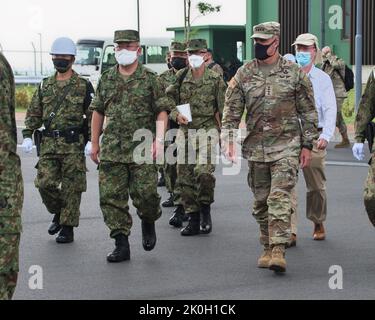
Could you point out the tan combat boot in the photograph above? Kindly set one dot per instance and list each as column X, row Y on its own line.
column 345, row 143
column 265, row 258
column 278, row 262
column 319, row 232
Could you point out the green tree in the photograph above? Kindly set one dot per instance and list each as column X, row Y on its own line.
column 204, row 8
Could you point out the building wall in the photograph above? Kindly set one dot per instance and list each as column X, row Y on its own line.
column 261, row 11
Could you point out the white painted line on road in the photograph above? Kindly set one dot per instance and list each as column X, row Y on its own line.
column 346, row 164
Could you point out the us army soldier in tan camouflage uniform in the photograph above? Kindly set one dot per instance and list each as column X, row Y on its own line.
column 61, row 105
column 276, row 93
column 335, row 68
column 204, row 90
column 128, row 96
column 366, row 113
column 11, row 185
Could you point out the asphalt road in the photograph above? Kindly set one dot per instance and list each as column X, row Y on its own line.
column 221, row 265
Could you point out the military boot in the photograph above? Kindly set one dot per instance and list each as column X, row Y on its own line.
column 345, row 143
column 55, row 226
column 177, row 218
column 278, row 262
column 206, row 223
column 66, row 235
column 193, row 227
column 121, row 251
column 148, row 235
column 169, row 202
column 265, row 258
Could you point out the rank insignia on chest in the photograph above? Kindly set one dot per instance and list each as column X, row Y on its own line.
column 269, row 91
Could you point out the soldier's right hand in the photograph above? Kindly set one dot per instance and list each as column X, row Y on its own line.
column 27, row 145
column 182, row 119
column 95, row 151
column 358, row 152
column 230, row 152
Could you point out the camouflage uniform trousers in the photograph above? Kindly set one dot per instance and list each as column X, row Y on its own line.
column 369, row 192
column 11, row 201
column 340, row 122
column 61, row 179
column 9, row 254
column 272, row 184
column 195, row 177
column 119, row 180
column 170, row 172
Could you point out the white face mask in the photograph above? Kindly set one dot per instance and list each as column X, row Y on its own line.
column 195, row 61
column 125, row 57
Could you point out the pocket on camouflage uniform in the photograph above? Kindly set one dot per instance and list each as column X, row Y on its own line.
column 74, row 172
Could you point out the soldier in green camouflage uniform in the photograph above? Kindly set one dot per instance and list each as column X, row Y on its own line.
column 204, row 90
column 11, row 185
column 335, row 68
column 61, row 177
column 366, row 114
column 127, row 95
column 178, row 61
column 276, row 94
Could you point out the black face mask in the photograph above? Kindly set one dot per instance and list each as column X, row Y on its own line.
column 178, row 63
column 61, row 65
column 261, row 51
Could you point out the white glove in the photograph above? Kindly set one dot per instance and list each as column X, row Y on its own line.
column 358, row 152
column 27, row 145
column 88, row 149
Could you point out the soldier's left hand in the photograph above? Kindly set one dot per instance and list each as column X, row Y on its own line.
column 305, row 158
column 322, row 144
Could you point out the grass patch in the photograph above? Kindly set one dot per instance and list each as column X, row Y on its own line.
column 24, row 95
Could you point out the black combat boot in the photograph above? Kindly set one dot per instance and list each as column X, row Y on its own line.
column 206, row 222
column 177, row 218
column 121, row 251
column 169, row 202
column 55, row 226
column 66, row 235
column 148, row 235
column 193, row 226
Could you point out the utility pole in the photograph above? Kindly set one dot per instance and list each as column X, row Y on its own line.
column 358, row 55
column 35, row 72
column 41, row 54
column 139, row 31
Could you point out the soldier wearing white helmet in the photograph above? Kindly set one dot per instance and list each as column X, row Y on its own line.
column 61, row 105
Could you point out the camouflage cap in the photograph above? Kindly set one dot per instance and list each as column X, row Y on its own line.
column 266, row 30
column 126, row 36
column 307, row 39
column 177, row 46
column 196, row 44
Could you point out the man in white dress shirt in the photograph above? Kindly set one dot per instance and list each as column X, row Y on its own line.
column 307, row 51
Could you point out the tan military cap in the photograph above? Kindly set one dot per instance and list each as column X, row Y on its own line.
column 196, row 44
column 266, row 30
column 306, row 39
column 177, row 46
column 126, row 36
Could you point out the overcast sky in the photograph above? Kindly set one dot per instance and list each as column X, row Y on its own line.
column 22, row 20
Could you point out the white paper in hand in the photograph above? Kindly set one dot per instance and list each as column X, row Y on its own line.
column 184, row 109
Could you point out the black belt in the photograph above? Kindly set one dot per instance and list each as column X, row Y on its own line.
column 62, row 133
